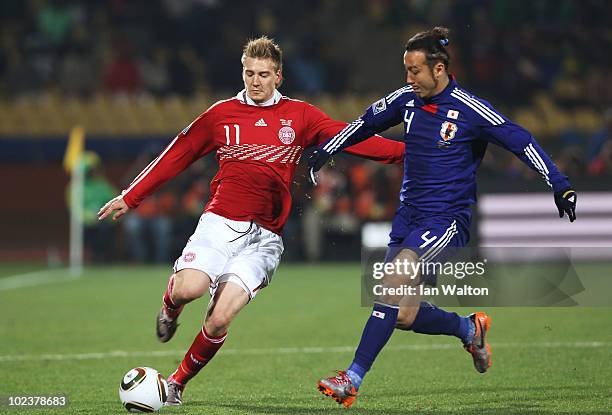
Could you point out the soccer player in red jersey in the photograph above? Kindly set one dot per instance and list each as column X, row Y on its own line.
column 258, row 136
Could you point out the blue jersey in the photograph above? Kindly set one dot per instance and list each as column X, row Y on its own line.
column 446, row 137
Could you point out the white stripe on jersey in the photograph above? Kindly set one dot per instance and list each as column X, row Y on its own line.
column 268, row 153
column 265, row 152
column 537, row 161
column 342, row 136
column 442, row 242
column 538, row 168
column 479, row 107
column 237, row 151
column 442, row 246
column 479, row 104
column 332, row 143
column 291, row 154
column 538, row 157
column 395, row 94
column 242, row 152
column 144, row 170
column 279, row 155
column 150, row 167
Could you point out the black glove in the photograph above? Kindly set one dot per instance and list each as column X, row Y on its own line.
column 317, row 159
column 566, row 203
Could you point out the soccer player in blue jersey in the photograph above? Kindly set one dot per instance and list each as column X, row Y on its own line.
column 446, row 131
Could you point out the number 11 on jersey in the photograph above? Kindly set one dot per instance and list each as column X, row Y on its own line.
column 227, row 134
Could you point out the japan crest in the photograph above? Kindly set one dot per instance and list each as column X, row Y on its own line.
column 447, row 131
column 286, row 135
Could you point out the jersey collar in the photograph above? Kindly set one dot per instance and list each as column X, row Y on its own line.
column 244, row 98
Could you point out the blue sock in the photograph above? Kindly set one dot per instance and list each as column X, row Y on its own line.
column 376, row 333
column 433, row 320
column 356, row 374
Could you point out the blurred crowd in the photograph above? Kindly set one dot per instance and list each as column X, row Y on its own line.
column 124, row 65
column 511, row 49
column 159, row 228
column 544, row 63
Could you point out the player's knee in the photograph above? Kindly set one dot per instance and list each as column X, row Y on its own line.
column 218, row 323
column 188, row 287
column 405, row 317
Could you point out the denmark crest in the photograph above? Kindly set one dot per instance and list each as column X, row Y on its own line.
column 448, row 130
column 286, row 135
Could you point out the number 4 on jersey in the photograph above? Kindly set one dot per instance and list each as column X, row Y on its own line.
column 408, row 120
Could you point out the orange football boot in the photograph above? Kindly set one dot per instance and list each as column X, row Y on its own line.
column 340, row 388
column 479, row 348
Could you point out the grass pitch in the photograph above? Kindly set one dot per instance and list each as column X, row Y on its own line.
column 79, row 337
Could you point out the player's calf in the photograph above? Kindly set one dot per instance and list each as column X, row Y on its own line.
column 187, row 285
column 228, row 301
column 405, row 317
column 183, row 287
column 218, row 323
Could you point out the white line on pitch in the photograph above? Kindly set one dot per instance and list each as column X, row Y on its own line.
column 35, row 278
column 289, row 350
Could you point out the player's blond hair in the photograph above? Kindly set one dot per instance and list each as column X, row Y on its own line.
column 263, row 48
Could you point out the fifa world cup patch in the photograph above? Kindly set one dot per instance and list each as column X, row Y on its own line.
column 379, row 106
column 186, row 129
column 447, row 132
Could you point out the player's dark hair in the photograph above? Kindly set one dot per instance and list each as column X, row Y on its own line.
column 433, row 44
column 263, row 48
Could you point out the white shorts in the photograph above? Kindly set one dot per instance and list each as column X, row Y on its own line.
column 229, row 250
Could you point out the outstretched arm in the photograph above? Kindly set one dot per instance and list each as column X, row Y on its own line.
column 374, row 147
column 192, row 143
column 520, row 142
column 492, row 126
column 381, row 149
column 359, row 137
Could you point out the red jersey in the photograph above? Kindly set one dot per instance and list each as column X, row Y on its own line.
column 258, row 149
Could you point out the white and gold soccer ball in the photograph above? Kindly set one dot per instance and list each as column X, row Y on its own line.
column 143, row 389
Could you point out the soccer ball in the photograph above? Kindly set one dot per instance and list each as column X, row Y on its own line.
column 143, row 390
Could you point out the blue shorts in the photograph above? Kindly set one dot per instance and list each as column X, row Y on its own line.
column 434, row 237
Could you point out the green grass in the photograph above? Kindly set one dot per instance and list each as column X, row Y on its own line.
column 114, row 308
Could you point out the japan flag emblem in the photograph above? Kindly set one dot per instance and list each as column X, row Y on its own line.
column 286, row 135
column 454, row 114
column 448, row 130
